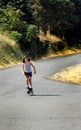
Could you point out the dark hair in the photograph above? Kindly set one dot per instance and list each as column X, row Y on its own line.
column 24, row 59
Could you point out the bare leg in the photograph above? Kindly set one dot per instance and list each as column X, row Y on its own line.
column 27, row 85
column 30, row 81
column 27, row 81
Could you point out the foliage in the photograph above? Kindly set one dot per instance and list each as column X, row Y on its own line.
column 23, row 6
column 63, row 17
column 9, row 50
column 22, row 20
column 16, row 36
column 10, row 20
column 18, row 29
column 32, row 32
column 36, row 11
column 58, row 15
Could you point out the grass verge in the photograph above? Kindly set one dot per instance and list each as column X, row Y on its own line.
column 10, row 53
column 70, row 75
column 65, row 52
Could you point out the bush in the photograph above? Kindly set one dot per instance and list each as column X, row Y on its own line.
column 32, row 32
column 60, row 45
column 54, row 47
column 43, row 47
column 16, row 36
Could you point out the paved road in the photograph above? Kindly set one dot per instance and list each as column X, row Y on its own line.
column 55, row 106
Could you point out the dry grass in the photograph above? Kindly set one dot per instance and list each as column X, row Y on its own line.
column 10, row 52
column 5, row 38
column 49, row 37
column 62, row 53
column 71, row 75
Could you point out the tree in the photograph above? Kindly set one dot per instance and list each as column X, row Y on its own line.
column 73, row 35
column 58, row 15
column 3, row 3
column 31, row 36
column 36, row 10
column 22, row 5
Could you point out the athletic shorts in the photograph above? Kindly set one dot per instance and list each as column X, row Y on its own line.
column 29, row 74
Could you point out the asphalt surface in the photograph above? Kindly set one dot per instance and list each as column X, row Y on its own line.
column 55, row 105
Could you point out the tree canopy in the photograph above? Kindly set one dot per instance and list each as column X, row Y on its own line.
column 24, row 17
column 63, row 17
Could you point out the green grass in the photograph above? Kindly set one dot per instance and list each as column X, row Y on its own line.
column 10, row 52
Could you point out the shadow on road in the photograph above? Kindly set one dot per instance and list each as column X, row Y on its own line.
column 48, row 95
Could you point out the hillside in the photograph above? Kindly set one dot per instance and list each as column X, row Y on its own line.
column 10, row 52
column 58, row 20
column 49, row 37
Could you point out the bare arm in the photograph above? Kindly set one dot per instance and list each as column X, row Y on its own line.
column 23, row 69
column 33, row 67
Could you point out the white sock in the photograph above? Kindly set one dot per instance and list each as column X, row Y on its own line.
column 30, row 86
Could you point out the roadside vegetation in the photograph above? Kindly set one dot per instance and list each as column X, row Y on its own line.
column 39, row 28
column 10, row 52
column 70, row 75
